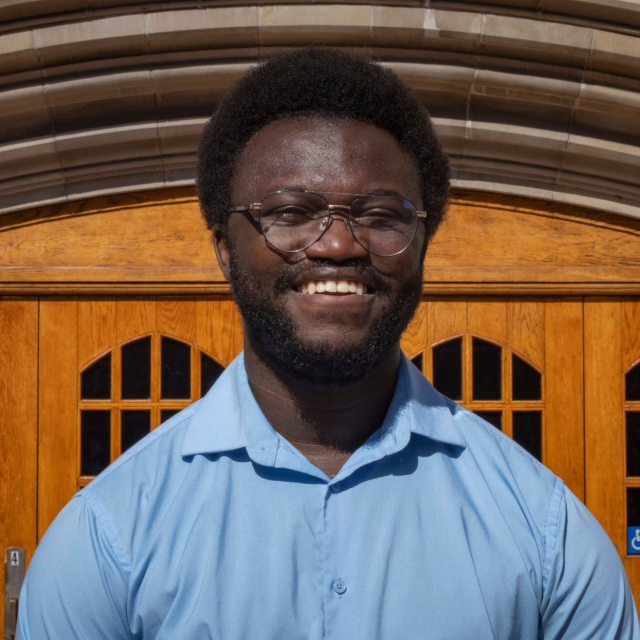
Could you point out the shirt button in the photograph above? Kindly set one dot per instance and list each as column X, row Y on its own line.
column 336, row 487
column 339, row 587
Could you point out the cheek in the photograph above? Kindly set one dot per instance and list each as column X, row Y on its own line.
column 403, row 267
column 249, row 245
column 257, row 260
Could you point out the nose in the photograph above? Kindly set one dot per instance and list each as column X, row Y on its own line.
column 337, row 242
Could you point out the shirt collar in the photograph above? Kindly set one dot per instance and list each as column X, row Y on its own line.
column 229, row 418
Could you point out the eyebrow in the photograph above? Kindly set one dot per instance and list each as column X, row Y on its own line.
column 289, row 187
column 384, row 192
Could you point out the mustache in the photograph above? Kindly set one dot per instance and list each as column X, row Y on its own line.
column 283, row 282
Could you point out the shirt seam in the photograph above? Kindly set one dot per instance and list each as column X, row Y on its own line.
column 110, row 531
column 103, row 519
column 550, row 530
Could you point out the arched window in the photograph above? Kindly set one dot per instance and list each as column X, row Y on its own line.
column 491, row 380
column 130, row 390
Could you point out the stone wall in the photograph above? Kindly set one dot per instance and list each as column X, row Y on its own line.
column 532, row 97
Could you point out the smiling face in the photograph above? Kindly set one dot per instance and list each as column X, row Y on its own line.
column 336, row 335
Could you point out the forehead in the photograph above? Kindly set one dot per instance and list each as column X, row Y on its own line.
column 321, row 155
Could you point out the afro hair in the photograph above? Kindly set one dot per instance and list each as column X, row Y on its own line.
column 318, row 82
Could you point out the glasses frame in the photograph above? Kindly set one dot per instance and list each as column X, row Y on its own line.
column 240, row 208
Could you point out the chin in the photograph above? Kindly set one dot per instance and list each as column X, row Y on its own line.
column 334, row 338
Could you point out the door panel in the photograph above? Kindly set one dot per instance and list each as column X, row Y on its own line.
column 57, row 417
column 526, row 323
column 564, row 392
column 490, row 349
column 111, row 371
column 612, row 355
column 18, row 427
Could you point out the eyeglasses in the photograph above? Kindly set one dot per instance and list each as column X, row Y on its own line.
column 292, row 221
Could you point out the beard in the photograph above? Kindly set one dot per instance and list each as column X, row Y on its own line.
column 273, row 336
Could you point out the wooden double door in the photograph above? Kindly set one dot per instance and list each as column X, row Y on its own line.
column 83, row 379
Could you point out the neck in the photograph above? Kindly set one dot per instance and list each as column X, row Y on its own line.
column 325, row 424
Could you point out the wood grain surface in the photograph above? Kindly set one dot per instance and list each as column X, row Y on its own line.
column 58, row 443
column 563, row 445
column 156, row 242
column 18, row 427
column 604, row 430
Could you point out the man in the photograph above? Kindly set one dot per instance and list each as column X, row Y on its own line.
column 323, row 488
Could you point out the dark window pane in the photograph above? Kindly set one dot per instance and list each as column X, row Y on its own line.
column 95, row 447
column 165, row 414
column 176, row 369
column 210, row 371
column 95, row 381
column 527, row 431
column 633, row 507
column 447, row 368
column 632, row 384
column 134, row 426
column 527, row 382
column 492, row 417
column 417, row 360
column 487, row 370
column 136, row 369
column 633, row 443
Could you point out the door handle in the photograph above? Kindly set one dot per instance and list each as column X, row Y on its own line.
column 13, row 579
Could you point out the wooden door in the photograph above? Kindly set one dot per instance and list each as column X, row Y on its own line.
column 18, row 427
column 612, row 423
column 518, row 363
column 112, row 370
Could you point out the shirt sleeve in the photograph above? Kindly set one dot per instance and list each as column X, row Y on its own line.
column 587, row 595
column 75, row 587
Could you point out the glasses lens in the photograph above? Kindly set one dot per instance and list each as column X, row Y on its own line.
column 291, row 220
column 385, row 225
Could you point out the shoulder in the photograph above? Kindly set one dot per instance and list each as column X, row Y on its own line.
column 492, row 450
column 157, row 453
column 141, row 483
column 494, row 470
column 512, row 475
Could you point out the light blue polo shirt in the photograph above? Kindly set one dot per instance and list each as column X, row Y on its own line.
column 215, row 527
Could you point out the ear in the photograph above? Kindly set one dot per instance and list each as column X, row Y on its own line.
column 221, row 244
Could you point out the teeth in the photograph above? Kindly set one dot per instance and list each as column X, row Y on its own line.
column 333, row 286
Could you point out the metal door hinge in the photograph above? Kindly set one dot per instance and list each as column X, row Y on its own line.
column 13, row 579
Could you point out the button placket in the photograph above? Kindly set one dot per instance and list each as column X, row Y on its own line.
column 340, row 588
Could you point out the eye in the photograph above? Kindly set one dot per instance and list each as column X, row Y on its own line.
column 377, row 217
column 289, row 215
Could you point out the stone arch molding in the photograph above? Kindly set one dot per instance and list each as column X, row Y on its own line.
column 539, row 98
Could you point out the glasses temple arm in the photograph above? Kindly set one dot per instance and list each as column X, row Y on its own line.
column 244, row 207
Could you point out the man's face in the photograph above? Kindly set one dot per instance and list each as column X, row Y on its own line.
column 323, row 338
